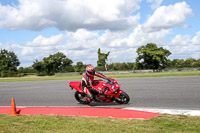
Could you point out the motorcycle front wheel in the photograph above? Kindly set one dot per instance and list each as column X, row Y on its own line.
column 123, row 98
column 81, row 97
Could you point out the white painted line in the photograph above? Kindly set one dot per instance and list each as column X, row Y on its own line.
column 168, row 111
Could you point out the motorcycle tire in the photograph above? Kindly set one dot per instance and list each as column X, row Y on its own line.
column 81, row 97
column 123, row 98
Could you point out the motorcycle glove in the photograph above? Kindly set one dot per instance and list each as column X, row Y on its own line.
column 101, row 92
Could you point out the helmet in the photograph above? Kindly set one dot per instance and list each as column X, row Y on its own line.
column 90, row 70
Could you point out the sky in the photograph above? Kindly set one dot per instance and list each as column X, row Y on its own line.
column 34, row 29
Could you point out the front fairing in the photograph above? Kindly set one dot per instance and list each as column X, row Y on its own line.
column 109, row 83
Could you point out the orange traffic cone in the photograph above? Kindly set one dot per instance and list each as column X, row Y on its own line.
column 13, row 111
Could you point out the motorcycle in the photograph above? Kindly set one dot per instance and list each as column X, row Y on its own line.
column 111, row 88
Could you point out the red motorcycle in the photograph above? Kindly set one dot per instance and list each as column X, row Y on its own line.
column 111, row 88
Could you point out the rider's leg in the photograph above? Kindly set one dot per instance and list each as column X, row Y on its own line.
column 86, row 91
column 88, row 94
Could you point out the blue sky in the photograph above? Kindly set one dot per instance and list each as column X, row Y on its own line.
column 34, row 29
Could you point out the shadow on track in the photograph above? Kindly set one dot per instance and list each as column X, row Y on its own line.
column 97, row 104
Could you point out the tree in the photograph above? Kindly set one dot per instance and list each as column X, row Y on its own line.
column 130, row 66
column 101, row 63
column 177, row 63
column 152, row 57
column 189, row 62
column 26, row 70
column 197, row 63
column 79, row 67
column 54, row 63
column 40, row 68
column 8, row 63
column 121, row 66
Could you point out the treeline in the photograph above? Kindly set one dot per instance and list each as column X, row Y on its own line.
column 187, row 63
column 172, row 64
column 48, row 66
column 149, row 57
column 56, row 63
column 121, row 66
column 80, row 67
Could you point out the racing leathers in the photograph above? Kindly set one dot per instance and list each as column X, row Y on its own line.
column 87, row 86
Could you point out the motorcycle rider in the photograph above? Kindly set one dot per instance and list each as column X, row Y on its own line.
column 87, row 82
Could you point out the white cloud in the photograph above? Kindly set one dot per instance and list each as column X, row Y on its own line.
column 1, row 46
column 155, row 3
column 166, row 17
column 70, row 14
column 25, row 51
column 81, row 39
column 180, row 40
column 196, row 39
column 122, row 45
column 139, row 37
column 82, row 45
column 83, row 19
column 113, row 39
column 51, row 41
column 183, row 46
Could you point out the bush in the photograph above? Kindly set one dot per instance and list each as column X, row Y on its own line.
column 9, row 73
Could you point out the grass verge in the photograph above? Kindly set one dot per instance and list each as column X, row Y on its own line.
column 118, row 75
column 76, row 124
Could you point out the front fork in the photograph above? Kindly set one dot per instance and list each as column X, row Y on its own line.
column 118, row 93
column 115, row 96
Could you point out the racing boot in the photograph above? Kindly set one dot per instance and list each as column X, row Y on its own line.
column 89, row 97
column 88, row 94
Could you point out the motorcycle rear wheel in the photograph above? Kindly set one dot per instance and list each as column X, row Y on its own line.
column 123, row 98
column 81, row 97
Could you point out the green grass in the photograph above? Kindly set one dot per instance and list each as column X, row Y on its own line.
column 121, row 75
column 40, row 78
column 156, row 74
column 76, row 124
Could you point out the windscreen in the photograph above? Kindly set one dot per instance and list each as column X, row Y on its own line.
column 107, row 81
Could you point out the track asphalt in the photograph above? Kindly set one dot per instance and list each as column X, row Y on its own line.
column 159, row 95
column 82, row 111
column 162, row 92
